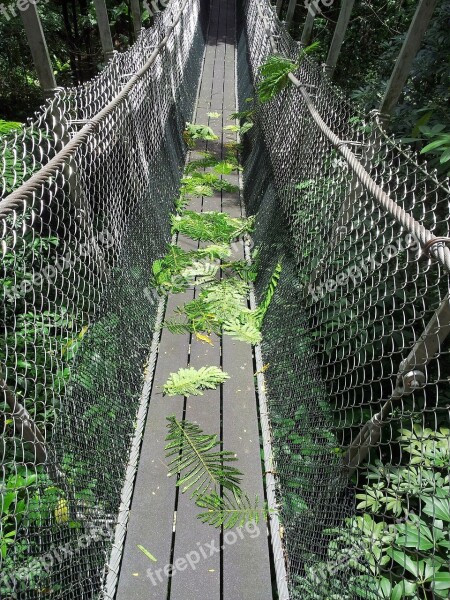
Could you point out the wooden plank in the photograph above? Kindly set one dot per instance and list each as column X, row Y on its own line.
column 194, row 540
column 104, row 29
column 38, row 46
column 152, row 509
column 135, row 6
column 338, row 36
column 411, row 46
column 246, row 564
column 308, row 27
column 290, row 13
column 201, row 579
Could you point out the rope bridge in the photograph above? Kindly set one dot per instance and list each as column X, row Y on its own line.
column 351, row 374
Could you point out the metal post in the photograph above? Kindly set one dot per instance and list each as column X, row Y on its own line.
column 104, row 29
column 290, row 13
column 136, row 15
column 279, row 7
column 338, row 37
column 308, row 27
column 38, row 47
column 410, row 47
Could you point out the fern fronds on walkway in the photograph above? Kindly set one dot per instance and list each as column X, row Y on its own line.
column 213, row 227
column 228, row 512
column 192, row 382
column 202, row 468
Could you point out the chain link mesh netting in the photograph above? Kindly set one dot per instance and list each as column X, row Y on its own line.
column 354, row 297
column 77, row 317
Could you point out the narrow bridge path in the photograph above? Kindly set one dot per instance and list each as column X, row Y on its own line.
column 216, row 565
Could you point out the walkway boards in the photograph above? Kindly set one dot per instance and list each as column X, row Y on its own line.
column 207, row 563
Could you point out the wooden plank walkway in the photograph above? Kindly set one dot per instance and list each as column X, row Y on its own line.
column 196, row 561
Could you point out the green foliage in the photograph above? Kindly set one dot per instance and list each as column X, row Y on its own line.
column 204, row 184
column 28, row 499
column 220, row 308
column 213, row 227
column 439, row 144
column 180, row 269
column 192, row 382
column 414, row 550
column 275, row 73
column 7, row 127
column 309, row 51
column 194, row 132
column 269, row 294
column 274, row 76
column 207, row 160
column 194, row 455
column 244, row 115
column 230, row 511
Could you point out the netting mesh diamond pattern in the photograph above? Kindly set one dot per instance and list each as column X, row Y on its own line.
column 77, row 315
column 354, row 297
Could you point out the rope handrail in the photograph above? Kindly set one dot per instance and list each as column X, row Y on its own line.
column 425, row 237
column 410, row 375
column 18, row 196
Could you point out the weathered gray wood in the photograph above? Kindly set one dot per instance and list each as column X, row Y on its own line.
column 38, row 46
column 136, row 16
column 338, row 37
column 279, row 7
column 405, row 59
column 152, row 509
column 308, row 27
column 192, row 537
column 104, row 29
column 290, row 13
column 197, row 554
column 246, row 564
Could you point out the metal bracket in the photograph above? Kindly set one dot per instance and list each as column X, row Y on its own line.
column 409, row 379
column 79, row 121
column 426, row 248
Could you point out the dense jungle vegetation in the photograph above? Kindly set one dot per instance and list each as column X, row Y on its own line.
column 373, row 40
column 72, row 37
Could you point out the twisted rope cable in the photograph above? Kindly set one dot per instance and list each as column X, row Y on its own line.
column 425, row 237
column 20, row 195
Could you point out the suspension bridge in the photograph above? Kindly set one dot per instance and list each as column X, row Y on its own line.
column 337, row 414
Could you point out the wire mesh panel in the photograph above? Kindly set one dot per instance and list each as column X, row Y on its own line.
column 77, row 316
column 358, row 393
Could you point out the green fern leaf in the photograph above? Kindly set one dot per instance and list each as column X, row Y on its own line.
column 207, row 160
column 245, row 332
column 194, row 132
column 177, row 327
column 194, row 456
column 270, row 291
column 215, row 227
column 228, row 512
column 179, row 269
column 192, row 382
column 275, row 76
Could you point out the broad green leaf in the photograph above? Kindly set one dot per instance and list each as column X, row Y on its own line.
column 433, row 145
column 438, row 508
column 404, row 561
column 441, row 580
column 403, row 589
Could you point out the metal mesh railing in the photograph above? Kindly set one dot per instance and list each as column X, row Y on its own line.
column 358, row 394
column 102, row 165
